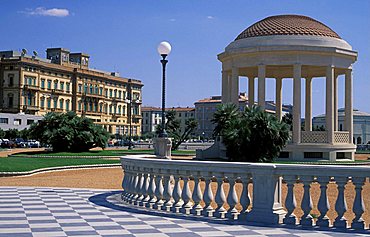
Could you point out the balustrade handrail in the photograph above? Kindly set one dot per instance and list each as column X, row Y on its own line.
column 155, row 183
column 240, row 168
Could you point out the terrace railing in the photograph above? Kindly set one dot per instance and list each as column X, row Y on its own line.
column 307, row 195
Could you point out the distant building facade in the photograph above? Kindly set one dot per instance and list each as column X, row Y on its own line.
column 64, row 82
column 152, row 116
column 361, row 125
column 205, row 108
column 17, row 121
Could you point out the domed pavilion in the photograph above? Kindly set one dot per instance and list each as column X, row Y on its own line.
column 294, row 47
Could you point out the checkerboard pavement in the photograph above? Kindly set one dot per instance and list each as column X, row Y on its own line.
column 29, row 211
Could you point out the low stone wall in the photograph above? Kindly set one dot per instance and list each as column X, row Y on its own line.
column 165, row 185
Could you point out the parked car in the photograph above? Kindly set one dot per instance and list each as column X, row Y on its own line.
column 20, row 143
column 6, row 143
column 33, row 144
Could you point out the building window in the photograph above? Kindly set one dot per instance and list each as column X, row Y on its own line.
column 79, row 105
column 42, row 83
column 120, row 94
column 30, row 121
column 101, row 90
column 97, row 90
column 17, row 122
column 55, row 103
column 61, row 103
column 10, row 100
column 62, row 86
column 100, row 108
column 119, row 109
column 4, row 120
column 79, row 88
column 90, row 106
column 106, row 92
column 42, row 102
column 67, row 105
column 91, row 89
column 11, row 79
column 56, row 84
column 110, row 93
column 49, row 84
column 85, row 88
column 67, row 87
column 48, row 101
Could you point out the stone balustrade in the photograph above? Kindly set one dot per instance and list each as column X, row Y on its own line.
column 250, row 192
column 322, row 137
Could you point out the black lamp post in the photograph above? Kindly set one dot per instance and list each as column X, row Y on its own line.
column 164, row 48
column 129, row 97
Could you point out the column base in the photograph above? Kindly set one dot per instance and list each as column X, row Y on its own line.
column 266, row 216
column 162, row 147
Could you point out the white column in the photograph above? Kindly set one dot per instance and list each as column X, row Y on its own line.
column 330, row 103
column 225, row 87
column 250, row 91
column 297, row 103
column 234, row 97
column 348, row 119
column 308, row 107
column 278, row 99
column 336, row 103
column 261, row 85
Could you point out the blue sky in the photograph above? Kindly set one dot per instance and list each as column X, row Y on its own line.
column 123, row 35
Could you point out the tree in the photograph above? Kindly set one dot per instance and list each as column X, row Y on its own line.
column 251, row 135
column 288, row 119
column 11, row 134
column 174, row 131
column 2, row 133
column 25, row 134
column 68, row 132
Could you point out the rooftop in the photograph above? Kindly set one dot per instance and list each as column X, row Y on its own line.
column 288, row 25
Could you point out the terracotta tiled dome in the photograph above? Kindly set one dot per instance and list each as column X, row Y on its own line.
column 287, row 25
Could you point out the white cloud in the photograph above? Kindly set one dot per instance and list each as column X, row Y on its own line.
column 173, row 19
column 210, row 17
column 42, row 11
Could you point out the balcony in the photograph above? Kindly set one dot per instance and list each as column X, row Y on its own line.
column 92, row 113
column 31, row 88
column 57, row 92
column 136, row 101
column 250, row 192
column 56, row 110
column 93, row 95
column 30, row 108
column 137, row 116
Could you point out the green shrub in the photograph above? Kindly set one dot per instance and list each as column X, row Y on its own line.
column 251, row 135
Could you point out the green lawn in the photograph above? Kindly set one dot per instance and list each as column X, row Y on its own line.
column 100, row 153
column 17, row 164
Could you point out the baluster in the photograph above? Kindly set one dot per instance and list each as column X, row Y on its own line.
column 208, row 197
column 244, row 197
column 358, row 204
column 341, row 205
column 152, row 188
column 323, row 205
column 146, row 190
column 220, row 199
column 177, row 193
column 159, row 192
column 124, row 186
column 306, row 219
column 197, row 197
column 290, row 201
column 134, row 188
column 141, row 189
column 168, row 192
column 186, row 196
column 128, row 187
column 232, row 200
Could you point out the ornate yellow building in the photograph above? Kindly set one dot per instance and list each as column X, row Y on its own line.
column 64, row 82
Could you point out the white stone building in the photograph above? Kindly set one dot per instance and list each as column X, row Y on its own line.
column 17, row 121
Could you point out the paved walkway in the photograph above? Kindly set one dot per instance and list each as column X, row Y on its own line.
column 29, row 211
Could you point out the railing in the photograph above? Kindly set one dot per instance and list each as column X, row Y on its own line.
column 341, row 137
column 31, row 87
column 314, row 137
column 307, row 195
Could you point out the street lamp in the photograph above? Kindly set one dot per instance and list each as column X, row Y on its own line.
column 129, row 100
column 164, row 49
